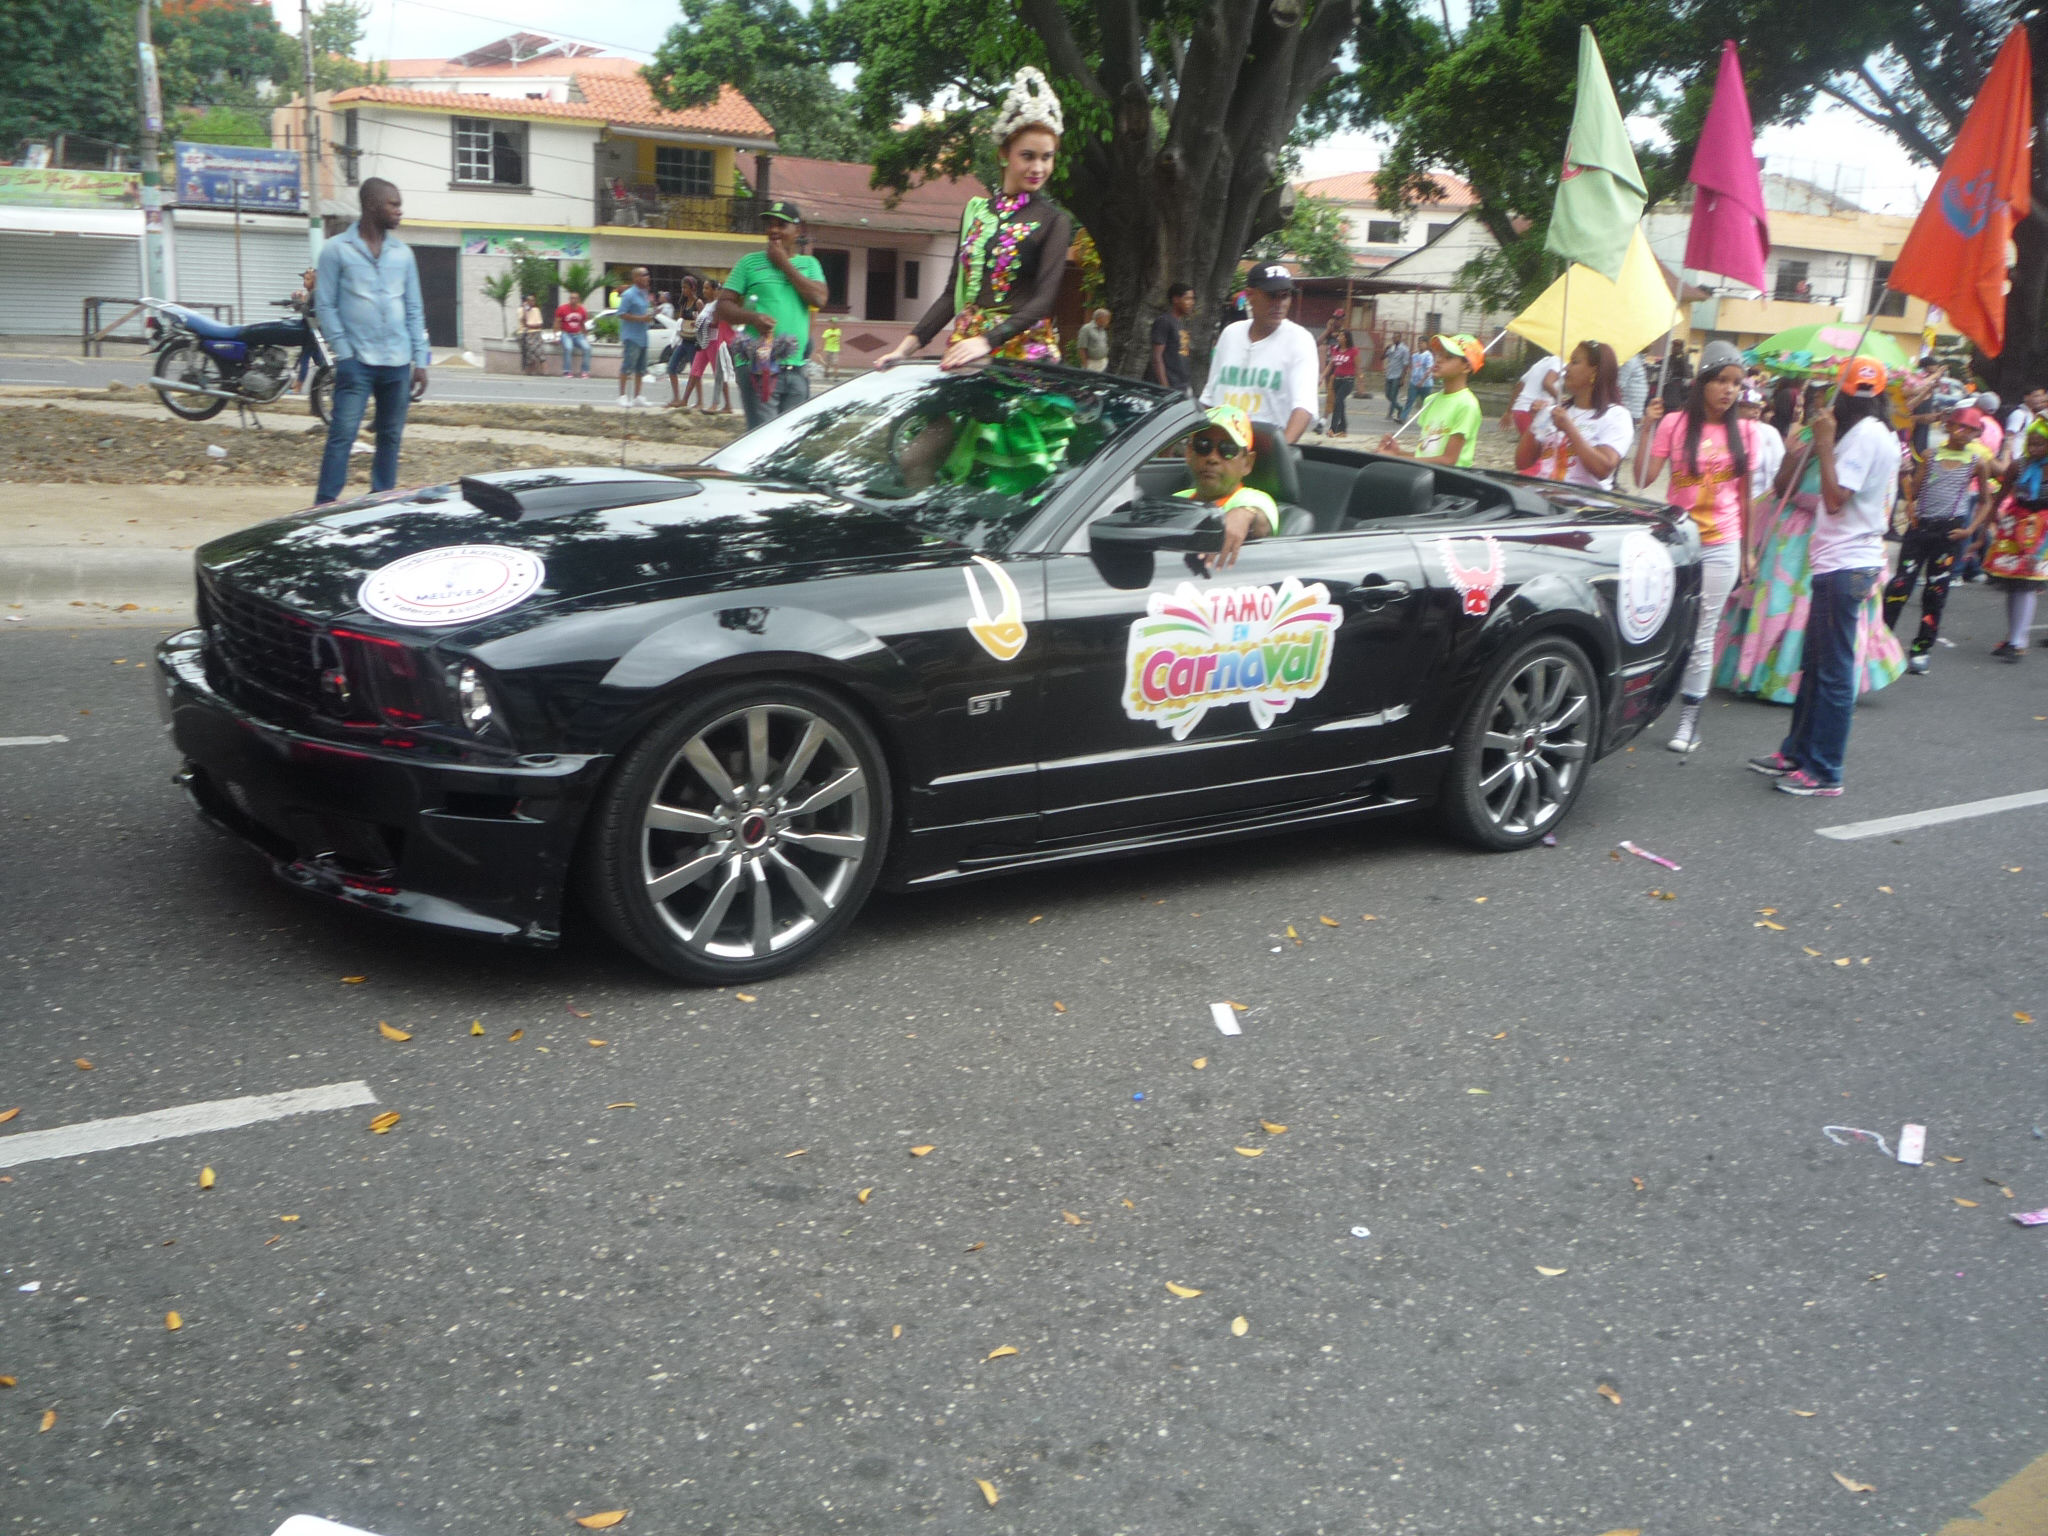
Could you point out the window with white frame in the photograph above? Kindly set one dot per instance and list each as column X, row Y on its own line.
column 682, row 172
column 1383, row 232
column 490, row 154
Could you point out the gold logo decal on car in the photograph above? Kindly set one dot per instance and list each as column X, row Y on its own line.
column 1002, row 634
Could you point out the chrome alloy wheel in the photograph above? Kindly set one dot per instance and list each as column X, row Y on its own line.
column 757, row 831
column 1535, row 745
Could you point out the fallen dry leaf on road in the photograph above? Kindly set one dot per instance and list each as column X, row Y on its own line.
column 206, row 1178
column 385, row 1121
column 1235, row 1007
column 8, row 1114
column 1502, row 1035
column 601, row 1522
column 1811, row 950
column 1665, row 895
column 353, row 981
column 896, row 1331
column 1271, row 1129
column 49, row 1421
column 1329, row 922
column 598, row 1042
column 1886, row 889
column 173, row 1322
column 391, row 1033
column 1804, row 1413
column 1001, row 1350
column 1483, row 1092
column 476, row 1026
column 1038, row 919
column 2023, row 1018
column 1479, row 901
column 81, row 1063
column 1201, row 1062
column 581, row 1013
column 1606, row 1390
column 1843, row 961
column 919, row 1151
column 1071, row 1219
column 1291, row 933
column 1634, row 1530
column 1058, row 1006
column 1767, row 923
column 974, row 1247
column 1250, row 1151
column 1637, row 1181
column 6, row 1381
column 1543, row 1271
column 746, row 997
column 861, row 1198
column 1368, row 917
column 517, row 1034
column 1852, row 1485
column 1128, row 1206
column 1959, row 1200
column 1947, row 1159
column 799, row 1152
column 623, row 1104
column 1880, row 1274
column 1768, row 911
column 988, row 1489
column 1182, row 1290
column 1240, row 1327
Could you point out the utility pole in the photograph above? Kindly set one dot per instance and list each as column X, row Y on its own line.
column 153, row 283
column 310, row 178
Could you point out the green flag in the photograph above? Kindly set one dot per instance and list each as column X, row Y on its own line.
column 1600, row 194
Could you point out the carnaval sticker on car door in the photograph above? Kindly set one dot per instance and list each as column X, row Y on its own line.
column 1200, row 650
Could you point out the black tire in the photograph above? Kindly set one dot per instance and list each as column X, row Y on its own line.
column 320, row 393
column 783, row 860
column 184, row 361
column 1521, row 753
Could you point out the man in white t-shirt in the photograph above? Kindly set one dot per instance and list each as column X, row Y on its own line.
column 1768, row 443
column 1538, row 388
column 1859, row 474
column 2023, row 415
column 1266, row 366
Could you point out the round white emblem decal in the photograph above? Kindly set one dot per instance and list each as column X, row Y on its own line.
column 451, row 586
column 1643, row 596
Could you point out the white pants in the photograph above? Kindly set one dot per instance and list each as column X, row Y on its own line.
column 1720, row 564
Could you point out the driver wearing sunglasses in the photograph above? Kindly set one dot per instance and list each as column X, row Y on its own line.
column 1219, row 457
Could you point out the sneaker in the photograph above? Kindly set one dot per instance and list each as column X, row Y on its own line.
column 2011, row 653
column 2003, row 649
column 1917, row 665
column 1685, row 739
column 1776, row 766
column 625, row 400
column 1800, row 782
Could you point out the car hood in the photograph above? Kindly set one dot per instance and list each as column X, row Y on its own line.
column 591, row 530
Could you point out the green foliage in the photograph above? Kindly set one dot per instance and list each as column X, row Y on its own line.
column 532, row 276
column 338, row 30
column 605, row 327
column 1314, row 235
column 221, row 55
column 498, row 289
column 222, row 125
column 578, row 281
column 811, row 115
column 67, row 66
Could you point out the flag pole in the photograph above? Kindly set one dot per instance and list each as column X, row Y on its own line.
column 1403, row 427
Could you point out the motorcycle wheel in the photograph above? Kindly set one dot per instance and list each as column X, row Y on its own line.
column 188, row 364
column 320, row 393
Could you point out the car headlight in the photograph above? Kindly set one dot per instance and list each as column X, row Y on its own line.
column 473, row 700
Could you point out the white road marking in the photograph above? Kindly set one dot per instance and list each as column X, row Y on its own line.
column 1849, row 831
column 31, row 741
column 185, row 1120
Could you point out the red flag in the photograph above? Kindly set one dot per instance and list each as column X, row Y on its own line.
column 1730, row 231
column 1956, row 254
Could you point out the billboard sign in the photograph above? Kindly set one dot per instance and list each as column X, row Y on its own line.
column 45, row 187
column 212, row 175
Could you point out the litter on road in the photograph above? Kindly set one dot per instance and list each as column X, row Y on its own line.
column 1852, row 1133
column 1913, row 1144
column 1644, row 853
column 1225, row 1017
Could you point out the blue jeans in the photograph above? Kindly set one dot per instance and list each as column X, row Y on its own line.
column 575, row 344
column 790, row 389
column 1417, row 393
column 632, row 354
column 354, row 384
column 1826, row 703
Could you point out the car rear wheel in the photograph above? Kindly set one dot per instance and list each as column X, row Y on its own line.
column 1521, row 755
column 742, row 835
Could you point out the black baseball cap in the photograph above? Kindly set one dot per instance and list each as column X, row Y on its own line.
column 1270, row 277
column 785, row 211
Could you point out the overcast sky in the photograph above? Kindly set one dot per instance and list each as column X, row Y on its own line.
column 1834, row 146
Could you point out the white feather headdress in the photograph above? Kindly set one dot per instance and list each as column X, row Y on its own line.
column 1029, row 104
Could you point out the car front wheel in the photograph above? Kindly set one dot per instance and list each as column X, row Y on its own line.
column 1521, row 754
column 741, row 835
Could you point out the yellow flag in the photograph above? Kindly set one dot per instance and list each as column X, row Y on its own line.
column 1628, row 315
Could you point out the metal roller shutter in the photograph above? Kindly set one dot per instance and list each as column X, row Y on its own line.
column 271, row 263
column 45, row 278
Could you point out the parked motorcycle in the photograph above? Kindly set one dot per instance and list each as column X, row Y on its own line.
column 202, row 366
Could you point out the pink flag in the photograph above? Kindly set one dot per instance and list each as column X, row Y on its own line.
column 1730, row 233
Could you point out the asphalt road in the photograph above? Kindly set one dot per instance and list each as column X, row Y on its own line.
column 451, row 385
column 525, row 1304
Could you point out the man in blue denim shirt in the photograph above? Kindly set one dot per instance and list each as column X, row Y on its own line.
column 368, row 301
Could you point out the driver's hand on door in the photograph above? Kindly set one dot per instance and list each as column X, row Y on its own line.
column 1239, row 524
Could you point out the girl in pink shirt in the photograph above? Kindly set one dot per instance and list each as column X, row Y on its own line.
column 1709, row 448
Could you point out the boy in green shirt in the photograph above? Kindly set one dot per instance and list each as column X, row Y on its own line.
column 769, row 294
column 1448, row 426
column 831, row 340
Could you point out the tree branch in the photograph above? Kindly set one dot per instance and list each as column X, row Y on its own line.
column 1123, row 52
column 1904, row 130
column 1061, row 48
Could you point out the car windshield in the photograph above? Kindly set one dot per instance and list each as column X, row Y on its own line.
column 969, row 456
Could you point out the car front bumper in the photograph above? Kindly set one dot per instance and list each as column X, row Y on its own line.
column 484, row 849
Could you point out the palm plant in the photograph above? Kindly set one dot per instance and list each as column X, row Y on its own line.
column 499, row 291
column 577, row 280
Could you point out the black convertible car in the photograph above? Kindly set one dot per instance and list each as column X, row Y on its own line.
column 928, row 627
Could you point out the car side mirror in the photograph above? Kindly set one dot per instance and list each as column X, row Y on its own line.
column 1172, row 522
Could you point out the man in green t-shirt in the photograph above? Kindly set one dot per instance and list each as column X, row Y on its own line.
column 1219, row 457
column 768, row 296
column 1447, row 430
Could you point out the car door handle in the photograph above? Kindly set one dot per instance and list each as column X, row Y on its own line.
column 1376, row 592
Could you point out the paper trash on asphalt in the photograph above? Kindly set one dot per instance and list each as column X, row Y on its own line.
column 1913, row 1144
column 1226, row 1018
column 313, row 1525
column 1850, row 1134
column 1644, row 853
column 2032, row 1218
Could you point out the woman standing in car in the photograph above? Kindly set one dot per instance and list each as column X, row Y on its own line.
column 1013, row 247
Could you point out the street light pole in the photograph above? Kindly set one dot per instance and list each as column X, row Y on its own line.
column 310, row 179
column 152, row 102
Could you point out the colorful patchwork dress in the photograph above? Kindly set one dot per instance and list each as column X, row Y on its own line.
column 1763, row 631
column 1006, row 278
column 2018, row 556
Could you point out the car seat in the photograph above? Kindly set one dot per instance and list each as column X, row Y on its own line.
column 1277, row 472
column 1390, row 488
